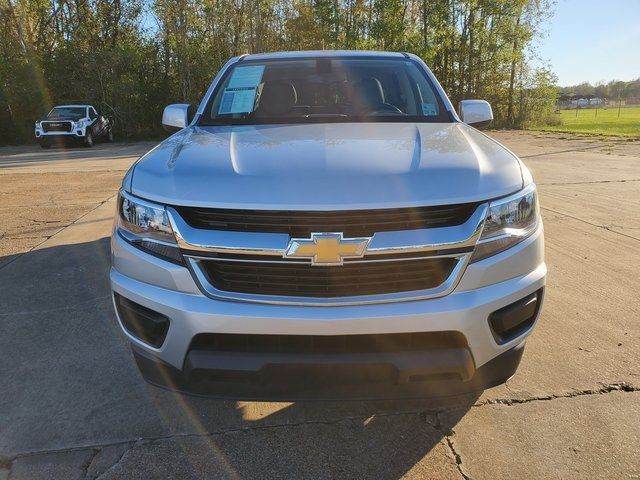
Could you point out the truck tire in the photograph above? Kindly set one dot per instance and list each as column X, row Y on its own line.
column 88, row 140
column 45, row 145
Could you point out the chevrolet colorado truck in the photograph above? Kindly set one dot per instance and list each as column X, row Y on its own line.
column 326, row 224
column 76, row 123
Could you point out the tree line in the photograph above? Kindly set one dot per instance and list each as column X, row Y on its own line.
column 613, row 90
column 132, row 57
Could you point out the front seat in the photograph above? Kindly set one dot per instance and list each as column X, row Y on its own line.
column 277, row 98
column 368, row 96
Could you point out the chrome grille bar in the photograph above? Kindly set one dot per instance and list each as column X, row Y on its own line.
column 275, row 244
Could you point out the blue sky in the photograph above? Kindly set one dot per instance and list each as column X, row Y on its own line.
column 593, row 40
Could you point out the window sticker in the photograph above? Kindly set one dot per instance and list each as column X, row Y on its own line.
column 240, row 93
column 237, row 101
column 429, row 110
column 249, row 76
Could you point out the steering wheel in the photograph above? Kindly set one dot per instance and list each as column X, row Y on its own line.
column 386, row 108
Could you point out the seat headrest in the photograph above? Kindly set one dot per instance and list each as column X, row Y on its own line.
column 370, row 91
column 276, row 98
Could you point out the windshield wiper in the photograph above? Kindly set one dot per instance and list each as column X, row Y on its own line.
column 323, row 115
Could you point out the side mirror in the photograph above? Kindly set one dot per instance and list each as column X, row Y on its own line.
column 476, row 113
column 175, row 117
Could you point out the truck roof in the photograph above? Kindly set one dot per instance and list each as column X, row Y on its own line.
column 322, row 53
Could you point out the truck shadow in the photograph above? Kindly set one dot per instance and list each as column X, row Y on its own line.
column 69, row 380
column 318, row 439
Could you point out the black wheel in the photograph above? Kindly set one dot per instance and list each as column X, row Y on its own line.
column 45, row 145
column 88, row 140
column 110, row 136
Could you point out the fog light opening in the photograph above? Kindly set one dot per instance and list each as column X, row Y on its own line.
column 141, row 322
column 513, row 320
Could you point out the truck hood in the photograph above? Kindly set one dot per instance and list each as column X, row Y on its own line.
column 326, row 166
column 61, row 119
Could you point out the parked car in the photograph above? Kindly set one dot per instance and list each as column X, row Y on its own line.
column 78, row 123
column 326, row 225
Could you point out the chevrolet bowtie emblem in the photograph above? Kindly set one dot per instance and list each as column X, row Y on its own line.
column 326, row 248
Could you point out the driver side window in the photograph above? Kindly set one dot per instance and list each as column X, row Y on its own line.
column 92, row 114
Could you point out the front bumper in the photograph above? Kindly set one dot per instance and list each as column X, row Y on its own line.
column 75, row 134
column 486, row 286
column 320, row 381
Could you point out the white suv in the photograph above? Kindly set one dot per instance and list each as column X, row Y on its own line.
column 325, row 225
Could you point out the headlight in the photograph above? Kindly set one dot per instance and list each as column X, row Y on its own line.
column 509, row 221
column 80, row 124
column 37, row 124
column 146, row 226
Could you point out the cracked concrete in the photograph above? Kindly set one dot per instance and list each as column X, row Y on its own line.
column 431, row 417
column 65, row 465
column 66, row 189
column 117, row 461
column 615, row 387
column 5, row 467
column 457, row 458
column 74, row 405
column 593, row 436
column 104, row 461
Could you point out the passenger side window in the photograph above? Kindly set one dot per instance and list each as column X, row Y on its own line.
column 92, row 114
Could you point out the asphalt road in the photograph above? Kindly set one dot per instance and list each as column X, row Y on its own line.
column 72, row 404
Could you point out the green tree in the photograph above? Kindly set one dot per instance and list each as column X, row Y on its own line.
column 132, row 57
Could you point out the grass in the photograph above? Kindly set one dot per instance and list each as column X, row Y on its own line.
column 605, row 122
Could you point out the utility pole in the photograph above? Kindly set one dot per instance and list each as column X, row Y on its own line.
column 619, row 100
column 619, row 105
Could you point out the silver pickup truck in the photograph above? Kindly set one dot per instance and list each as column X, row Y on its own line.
column 325, row 225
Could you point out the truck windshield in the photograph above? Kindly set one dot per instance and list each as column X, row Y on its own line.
column 67, row 112
column 324, row 90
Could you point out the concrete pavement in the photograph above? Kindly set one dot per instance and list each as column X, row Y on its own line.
column 74, row 406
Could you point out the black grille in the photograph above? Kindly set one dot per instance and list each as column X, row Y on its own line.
column 328, row 344
column 350, row 279
column 56, row 126
column 350, row 222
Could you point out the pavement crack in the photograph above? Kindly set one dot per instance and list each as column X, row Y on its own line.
column 36, row 220
column 119, row 460
column 6, row 463
column 457, row 458
column 604, row 227
column 430, row 416
column 594, row 182
column 20, row 255
column 447, row 435
column 604, row 389
column 561, row 151
column 229, row 431
column 89, row 461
